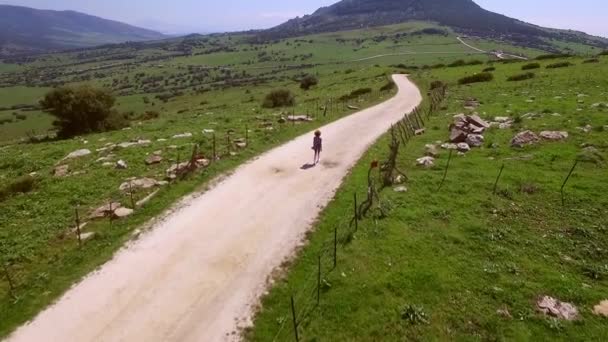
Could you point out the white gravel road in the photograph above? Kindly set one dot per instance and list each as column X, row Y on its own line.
column 198, row 274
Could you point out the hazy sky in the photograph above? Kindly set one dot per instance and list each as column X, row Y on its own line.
column 180, row 16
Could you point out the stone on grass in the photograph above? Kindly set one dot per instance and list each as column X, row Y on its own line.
column 301, row 118
column 463, row 147
column 352, row 107
column 553, row 135
column 457, row 135
column 475, row 140
column 431, row 151
column 61, row 171
column 183, row 135
column 553, row 307
column 420, row 131
column 208, row 131
column 505, row 125
column 502, row 119
column 524, row 138
column 400, row 189
column 425, row 161
column 601, row 309
column 122, row 212
column 448, row 146
column 121, row 165
column 153, row 159
column 87, row 236
column 139, row 183
column 78, row 154
column 147, row 199
column 477, row 121
column 105, row 210
column 241, row 144
column 399, row 179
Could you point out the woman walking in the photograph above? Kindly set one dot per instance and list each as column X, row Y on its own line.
column 317, row 146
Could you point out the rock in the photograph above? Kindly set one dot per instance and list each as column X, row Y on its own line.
column 176, row 168
column 208, row 131
column 524, row 138
column 105, row 210
column 477, row 121
column 504, row 312
column 601, row 309
column 122, row 212
column 281, row 120
column 121, row 165
column 147, row 199
column 420, row 131
column 505, row 125
column 128, row 144
column 475, row 140
column 303, row 118
column 447, row 146
column 61, row 171
column 107, row 164
column 471, row 103
column 78, row 154
column 183, row 135
column 463, row 147
column 87, row 236
column 153, row 159
column 241, row 144
column 425, row 161
column 137, row 184
column 203, row 162
column 553, row 135
column 352, row 107
column 431, row 151
column 457, row 135
column 585, row 129
column 562, row 310
column 502, row 119
column 400, row 189
column 399, row 179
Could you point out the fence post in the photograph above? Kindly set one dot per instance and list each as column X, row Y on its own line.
column 11, row 285
column 246, row 135
column 566, row 181
column 78, row 233
column 356, row 214
column 445, row 174
column 295, row 322
column 131, row 195
column 214, row 150
column 498, row 179
column 319, row 280
column 335, row 247
column 111, row 212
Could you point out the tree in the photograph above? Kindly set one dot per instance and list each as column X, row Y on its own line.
column 279, row 98
column 308, row 81
column 81, row 110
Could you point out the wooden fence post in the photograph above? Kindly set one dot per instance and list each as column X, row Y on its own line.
column 356, row 214
column 11, row 285
column 131, row 195
column 295, row 321
column 566, row 181
column 78, row 233
column 498, row 179
column 335, row 247
column 319, row 280
column 445, row 174
column 214, row 148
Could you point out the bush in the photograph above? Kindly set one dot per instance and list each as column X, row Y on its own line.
column 531, row 66
column 5, row 121
column 79, row 110
column 457, row 63
column 149, row 115
column 552, row 56
column 490, row 69
column 279, row 98
column 603, row 53
column 481, row 77
column 356, row 93
column 388, row 86
column 308, row 81
column 22, row 185
column 437, row 84
column 592, row 60
column 20, row 116
column 521, row 77
column 559, row 65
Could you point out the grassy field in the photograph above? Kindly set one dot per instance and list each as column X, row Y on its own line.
column 197, row 84
column 461, row 263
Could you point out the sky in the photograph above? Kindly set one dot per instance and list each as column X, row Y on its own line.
column 186, row 16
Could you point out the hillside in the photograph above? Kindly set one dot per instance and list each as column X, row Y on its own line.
column 27, row 30
column 465, row 16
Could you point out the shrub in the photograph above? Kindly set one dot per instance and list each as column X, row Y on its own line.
column 20, row 116
column 22, row 185
column 279, row 98
column 552, row 56
column 437, row 84
column 388, row 86
column 5, row 121
column 308, row 81
column 592, row 60
column 531, row 66
column 474, row 62
column 149, row 115
column 559, row 65
column 356, row 93
column 481, row 77
column 603, row 53
column 489, row 69
column 457, row 63
column 79, row 110
column 521, row 77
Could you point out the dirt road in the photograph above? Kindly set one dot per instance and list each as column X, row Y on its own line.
column 206, row 265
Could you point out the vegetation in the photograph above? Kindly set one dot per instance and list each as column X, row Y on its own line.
column 521, row 77
column 552, row 56
column 559, row 65
column 279, row 98
column 462, row 263
column 308, row 81
column 82, row 110
column 489, row 69
column 481, row 77
column 531, row 66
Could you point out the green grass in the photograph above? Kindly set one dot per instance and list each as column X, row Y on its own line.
column 461, row 253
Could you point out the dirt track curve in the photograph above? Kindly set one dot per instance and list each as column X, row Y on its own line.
column 205, row 266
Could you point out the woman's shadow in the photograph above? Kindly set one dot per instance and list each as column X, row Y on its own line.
column 307, row 166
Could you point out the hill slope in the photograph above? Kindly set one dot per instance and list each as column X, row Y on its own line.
column 26, row 30
column 464, row 16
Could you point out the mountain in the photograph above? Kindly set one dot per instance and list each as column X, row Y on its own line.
column 464, row 16
column 27, row 30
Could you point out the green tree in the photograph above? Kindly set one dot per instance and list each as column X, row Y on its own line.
column 81, row 110
column 308, row 81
